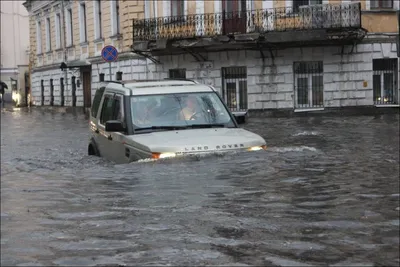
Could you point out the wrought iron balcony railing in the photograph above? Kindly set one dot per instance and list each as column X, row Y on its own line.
column 328, row 16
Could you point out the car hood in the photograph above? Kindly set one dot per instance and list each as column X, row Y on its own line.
column 196, row 140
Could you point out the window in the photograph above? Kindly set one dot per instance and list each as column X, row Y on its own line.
column 112, row 109
column 299, row 3
column 177, row 73
column 384, row 81
column 58, row 31
column 82, row 23
column 38, row 37
column 96, row 101
column 69, row 22
column 377, row 4
column 115, row 22
column 309, row 86
column 234, row 87
column 177, row 7
column 48, row 35
column 107, row 109
column 179, row 110
column 98, row 24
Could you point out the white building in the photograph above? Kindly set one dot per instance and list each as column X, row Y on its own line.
column 14, row 50
column 260, row 54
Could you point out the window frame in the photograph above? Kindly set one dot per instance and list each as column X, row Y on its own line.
column 180, row 8
column 48, row 34
column 57, row 18
column 98, row 20
column 82, row 23
column 113, row 97
column 96, row 105
column 115, row 18
column 308, row 70
column 69, row 24
column 39, row 49
column 296, row 4
column 379, row 4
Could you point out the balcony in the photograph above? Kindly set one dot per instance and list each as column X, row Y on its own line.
column 283, row 27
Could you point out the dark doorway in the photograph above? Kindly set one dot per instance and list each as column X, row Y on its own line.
column 87, row 88
column 62, row 92
column 234, row 16
column 51, row 93
column 73, row 84
column 42, row 91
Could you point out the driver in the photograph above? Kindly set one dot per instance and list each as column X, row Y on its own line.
column 190, row 109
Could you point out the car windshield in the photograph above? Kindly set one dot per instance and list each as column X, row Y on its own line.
column 179, row 111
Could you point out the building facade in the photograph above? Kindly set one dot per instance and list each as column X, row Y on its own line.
column 300, row 55
column 14, row 51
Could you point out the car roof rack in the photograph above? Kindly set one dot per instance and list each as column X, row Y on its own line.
column 180, row 79
column 153, row 80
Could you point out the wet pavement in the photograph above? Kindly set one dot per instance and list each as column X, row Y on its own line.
column 325, row 192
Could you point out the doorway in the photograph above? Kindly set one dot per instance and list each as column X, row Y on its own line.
column 234, row 20
column 87, row 88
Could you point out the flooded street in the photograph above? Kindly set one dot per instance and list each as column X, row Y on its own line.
column 325, row 192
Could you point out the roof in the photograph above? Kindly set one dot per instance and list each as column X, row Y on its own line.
column 155, row 87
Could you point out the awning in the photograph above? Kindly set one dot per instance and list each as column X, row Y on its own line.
column 78, row 63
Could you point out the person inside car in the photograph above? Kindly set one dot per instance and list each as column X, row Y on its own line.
column 190, row 109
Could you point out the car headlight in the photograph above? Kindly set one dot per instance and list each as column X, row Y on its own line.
column 162, row 155
column 257, row 148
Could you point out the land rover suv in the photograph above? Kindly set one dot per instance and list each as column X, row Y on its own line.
column 161, row 119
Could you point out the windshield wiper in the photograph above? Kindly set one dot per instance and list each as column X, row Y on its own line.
column 205, row 125
column 162, row 128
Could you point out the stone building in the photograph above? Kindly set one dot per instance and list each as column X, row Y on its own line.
column 14, row 49
column 299, row 55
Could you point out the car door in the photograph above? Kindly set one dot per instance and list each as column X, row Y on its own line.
column 104, row 144
column 119, row 152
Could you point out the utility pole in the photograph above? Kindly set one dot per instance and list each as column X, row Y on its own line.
column 64, row 46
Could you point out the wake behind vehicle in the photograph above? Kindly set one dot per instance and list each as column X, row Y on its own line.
column 161, row 119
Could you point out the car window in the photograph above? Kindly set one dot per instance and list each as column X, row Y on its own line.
column 107, row 109
column 96, row 101
column 118, row 113
column 203, row 108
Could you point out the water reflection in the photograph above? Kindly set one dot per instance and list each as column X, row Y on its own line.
column 326, row 192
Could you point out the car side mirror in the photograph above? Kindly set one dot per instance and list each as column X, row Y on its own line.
column 114, row 126
column 240, row 117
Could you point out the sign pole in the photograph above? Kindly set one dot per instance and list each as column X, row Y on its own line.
column 109, row 68
column 109, row 54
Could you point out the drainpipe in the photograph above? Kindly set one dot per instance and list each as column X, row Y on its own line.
column 64, row 43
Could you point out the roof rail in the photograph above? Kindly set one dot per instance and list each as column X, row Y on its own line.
column 120, row 82
column 180, row 79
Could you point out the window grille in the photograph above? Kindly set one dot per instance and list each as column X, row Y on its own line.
column 385, row 80
column 308, row 84
column 234, row 88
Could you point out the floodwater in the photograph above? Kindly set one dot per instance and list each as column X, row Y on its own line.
column 326, row 192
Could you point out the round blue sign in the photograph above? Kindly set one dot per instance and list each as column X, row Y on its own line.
column 109, row 53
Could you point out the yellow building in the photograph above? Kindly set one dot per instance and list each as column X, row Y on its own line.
column 298, row 55
column 74, row 33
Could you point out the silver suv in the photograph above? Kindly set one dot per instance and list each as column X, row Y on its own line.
column 162, row 119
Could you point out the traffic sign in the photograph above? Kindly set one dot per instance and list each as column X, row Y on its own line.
column 109, row 53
